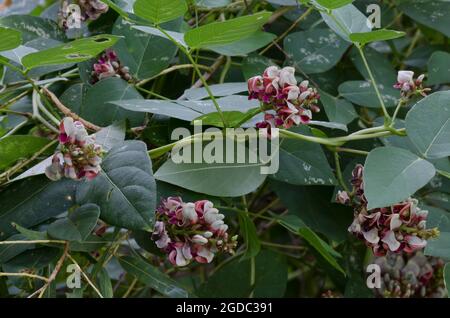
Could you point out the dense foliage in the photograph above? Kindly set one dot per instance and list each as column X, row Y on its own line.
column 98, row 199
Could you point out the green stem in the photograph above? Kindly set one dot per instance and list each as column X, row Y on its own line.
column 225, row 70
column 339, row 171
column 199, row 73
column 375, row 86
column 292, row 247
column 151, row 93
column 397, row 109
column 355, row 151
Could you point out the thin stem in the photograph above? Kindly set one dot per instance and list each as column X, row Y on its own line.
column 225, row 70
column 130, row 289
column 339, row 171
column 397, row 109
column 283, row 35
column 355, row 151
column 152, row 93
column 199, row 73
column 374, row 83
column 85, row 276
column 45, row 279
column 319, row 140
column 369, row 130
column 171, row 69
column 292, row 247
column 33, row 242
column 252, row 275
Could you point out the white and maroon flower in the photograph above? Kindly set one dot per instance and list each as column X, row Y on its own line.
column 160, row 235
column 108, row 65
column 292, row 104
column 409, row 86
column 191, row 231
column 398, row 228
column 92, row 9
column 180, row 255
column 410, row 275
column 77, row 156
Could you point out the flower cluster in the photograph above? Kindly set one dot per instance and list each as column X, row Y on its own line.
column 191, row 231
column 92, row 9
column 89, row 10
column 409, row 86
column 278, row 91
column 397, row 228
column 410, row 276
column 108, row 65
column 78, row 156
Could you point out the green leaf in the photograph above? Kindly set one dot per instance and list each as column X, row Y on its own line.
column 248, row 232
column 125, row 190
column 346, row 20
column 145, row 54
column 217, row 179
column 447, row 277
column 32, row 260
column 212, row 3
column 30, row 234
column 296, row 226
column 337, row 110
column 255, row 64
column 380, row 65
column 438, row 68
column 374, row 36
column 104, row 284
column 270, row 278
column 33, row 27
column 233, row 118
column 428, row 125
column 218, row 90
column 392, row 174
column 97, row 106
column 246, row 45
column 77, row 226
column 8, row 251
column 428, row 12
column 153, row 278
column 303, row 162
column 16, row 147
column 316, row 50
column 158, row 106
column 72, row 52
column 313, row 206
column 159, row 11
column 32, row 201
column 362, row 93
column 333, row 4
column 10, row 39
column 221, row 33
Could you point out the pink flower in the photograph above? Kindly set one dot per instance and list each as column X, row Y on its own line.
column 410, row 275
column 292, row 104
column 77, row 156
column 191, row 231
column 400, row 227
column 108, row 65
column 180, row 254
column 408, row 86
